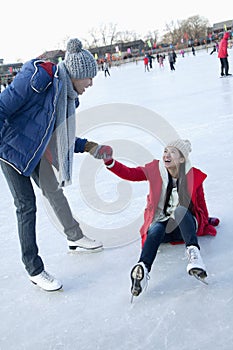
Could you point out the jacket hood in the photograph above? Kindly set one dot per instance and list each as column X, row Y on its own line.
column 226, row 35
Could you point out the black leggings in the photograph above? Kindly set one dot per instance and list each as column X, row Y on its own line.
column 224, row 66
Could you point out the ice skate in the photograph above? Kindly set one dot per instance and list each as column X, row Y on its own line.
column 195, row 265
column 46, row 281
column 139, row 277
column 85, row 243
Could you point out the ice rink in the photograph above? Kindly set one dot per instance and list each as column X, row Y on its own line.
column 93, row 310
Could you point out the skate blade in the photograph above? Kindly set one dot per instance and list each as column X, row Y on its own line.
column 199, row 274
column 59, row 289
column 78, row 250
column 135, row 291
column 136, row 288
column 201, row 279
column 198, row 271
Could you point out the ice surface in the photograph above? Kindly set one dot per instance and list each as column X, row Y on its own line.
column 93, row 311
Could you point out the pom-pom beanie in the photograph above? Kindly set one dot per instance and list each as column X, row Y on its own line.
column 80, row 63
column 184, row 146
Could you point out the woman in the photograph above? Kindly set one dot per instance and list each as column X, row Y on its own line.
column 176, row 209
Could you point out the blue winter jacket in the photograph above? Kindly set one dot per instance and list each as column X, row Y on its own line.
column 27, row 115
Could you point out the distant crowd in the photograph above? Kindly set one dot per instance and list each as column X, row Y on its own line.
column 4, row 84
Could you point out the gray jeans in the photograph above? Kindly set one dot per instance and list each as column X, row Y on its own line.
column 25, row 202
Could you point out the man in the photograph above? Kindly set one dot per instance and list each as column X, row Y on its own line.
column 171, row 60
column 37, row 134
column 223, row 55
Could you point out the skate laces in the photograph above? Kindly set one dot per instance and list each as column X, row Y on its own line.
column 147, row 276
column 192, row 254
column 47, row 277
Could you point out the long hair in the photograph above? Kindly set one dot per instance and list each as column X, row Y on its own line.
column 184, row 197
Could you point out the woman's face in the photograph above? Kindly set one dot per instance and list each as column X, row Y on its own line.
column 81, row 84
column 172, row 158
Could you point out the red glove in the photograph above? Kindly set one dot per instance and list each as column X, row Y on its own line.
column 101, row 152
column 213, row 221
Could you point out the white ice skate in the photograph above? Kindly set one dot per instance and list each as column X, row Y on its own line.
column 195, row 266
column 46, row 281
column 139, row 278
column 85, row 243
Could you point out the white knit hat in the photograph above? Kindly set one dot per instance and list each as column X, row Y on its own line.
column 80, row 63
column 184, row 146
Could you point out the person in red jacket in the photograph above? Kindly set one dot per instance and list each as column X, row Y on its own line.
column 146, row 63
column 223, row 54
column 176, row 209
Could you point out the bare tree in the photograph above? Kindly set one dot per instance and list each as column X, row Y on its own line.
column 191, row 28
column 195, row 26
column 108, row 33
column 175, row 32
column 94, row 39
column 152, row 35
column 125, row 36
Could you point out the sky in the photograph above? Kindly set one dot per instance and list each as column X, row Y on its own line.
column 93, row 310
column 29, row 29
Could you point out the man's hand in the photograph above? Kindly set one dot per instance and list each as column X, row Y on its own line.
column 101, row 152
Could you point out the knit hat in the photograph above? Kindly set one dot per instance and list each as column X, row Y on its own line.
column 184, row 146
column 80, row 63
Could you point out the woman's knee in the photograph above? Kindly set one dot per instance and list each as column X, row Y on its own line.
column 156, row 231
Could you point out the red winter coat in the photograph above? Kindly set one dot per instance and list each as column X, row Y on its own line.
column 146, row 61
column 222, row 50
column 150, row 172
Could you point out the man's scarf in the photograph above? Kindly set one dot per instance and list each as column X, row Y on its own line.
column 63, row 138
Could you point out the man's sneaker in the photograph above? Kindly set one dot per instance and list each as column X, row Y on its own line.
column 139, row 278
column 195, row 263
column 46, row 281
column 85, row 243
